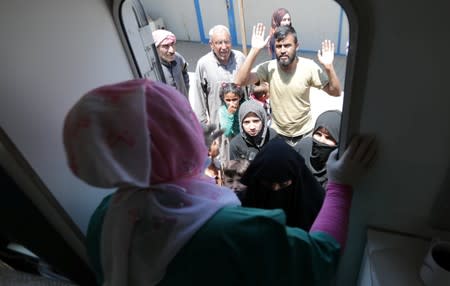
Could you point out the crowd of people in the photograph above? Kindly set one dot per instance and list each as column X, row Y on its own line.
column 237, row 183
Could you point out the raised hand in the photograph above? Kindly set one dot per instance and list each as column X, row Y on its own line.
column 326, row 54
column 258, row 41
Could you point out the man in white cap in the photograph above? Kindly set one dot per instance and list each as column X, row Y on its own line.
column 173, row 64
column 216, row 67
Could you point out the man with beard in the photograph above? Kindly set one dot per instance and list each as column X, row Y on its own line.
column 216, row 67
column 290, row 78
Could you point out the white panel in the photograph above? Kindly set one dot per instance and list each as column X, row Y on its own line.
column 314, row 20
column 179, row 17
column 213, row 13
column 52, row 52
column 141, row 42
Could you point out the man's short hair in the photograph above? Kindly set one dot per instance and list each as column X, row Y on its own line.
column 218, row 28
column 283, row 31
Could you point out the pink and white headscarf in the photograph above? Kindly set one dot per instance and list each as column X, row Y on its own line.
column 143, row 138
column 163, row 37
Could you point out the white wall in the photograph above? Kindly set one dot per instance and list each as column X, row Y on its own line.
column 179, row 17
column 314, row 20
column 53, row 51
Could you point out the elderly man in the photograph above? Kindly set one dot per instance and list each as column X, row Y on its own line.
column 173, row 64
column 290, row 78
column 218, row 66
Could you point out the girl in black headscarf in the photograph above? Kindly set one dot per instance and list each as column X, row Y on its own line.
column 254, row 131
column 317, row 149
column 279, row 179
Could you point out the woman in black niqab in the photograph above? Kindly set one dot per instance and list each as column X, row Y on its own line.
column 315, row 152
column 296, row 190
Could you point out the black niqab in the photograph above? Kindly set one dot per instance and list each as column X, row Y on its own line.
column 278, row 162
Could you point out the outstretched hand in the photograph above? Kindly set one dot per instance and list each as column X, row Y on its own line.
column 354, row 163
column 258, row 41
column 326, row 54
column 211, row 133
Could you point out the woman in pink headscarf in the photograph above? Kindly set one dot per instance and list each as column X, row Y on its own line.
column 168, row 224
column 280, row 17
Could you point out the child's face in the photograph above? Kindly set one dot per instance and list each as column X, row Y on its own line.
column 262, row 91
column 234, row 183
column 252, row 124
column 214, row 148
column 231, row 100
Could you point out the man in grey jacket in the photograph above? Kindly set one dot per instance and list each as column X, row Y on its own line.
column 173, row 64
column 216, row 67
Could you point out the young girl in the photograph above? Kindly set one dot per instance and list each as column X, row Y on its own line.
column 260, row 93
column 231, row 95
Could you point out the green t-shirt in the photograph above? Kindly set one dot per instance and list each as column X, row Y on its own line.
column 246, row 246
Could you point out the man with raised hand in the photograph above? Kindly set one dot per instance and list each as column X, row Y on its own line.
column 290, row 78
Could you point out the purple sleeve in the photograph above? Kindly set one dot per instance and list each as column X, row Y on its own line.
column 334, row 214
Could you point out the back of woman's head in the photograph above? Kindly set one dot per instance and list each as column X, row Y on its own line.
column 138, row 132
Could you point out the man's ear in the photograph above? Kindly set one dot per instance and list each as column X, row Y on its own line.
column 297, row 46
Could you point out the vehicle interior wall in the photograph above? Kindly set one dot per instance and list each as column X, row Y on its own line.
column 399, row 93
column 52, row 52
